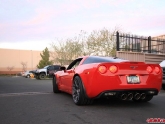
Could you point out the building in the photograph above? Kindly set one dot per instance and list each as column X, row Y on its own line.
column 12, row 61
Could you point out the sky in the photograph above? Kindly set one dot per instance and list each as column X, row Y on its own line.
column 35, row 24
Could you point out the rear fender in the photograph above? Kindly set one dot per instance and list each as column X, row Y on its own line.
column 82, row 84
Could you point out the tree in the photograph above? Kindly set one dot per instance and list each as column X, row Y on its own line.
column 102, row 42
column 24, row 66
column 45, row 59
column 63, row 52
column 10, row 68
column 98, row 42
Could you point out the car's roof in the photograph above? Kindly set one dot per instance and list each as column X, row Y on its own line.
column 101, row 59
column 105, row 57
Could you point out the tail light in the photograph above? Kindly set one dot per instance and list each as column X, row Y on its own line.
column 102, row 69
column 113, row 69
column 157, row 70
column 149, row 69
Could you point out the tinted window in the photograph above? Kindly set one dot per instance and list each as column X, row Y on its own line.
column 46, row 66
column 57, row 67
column 97, row 59
column 51, row 68
column 74, row 64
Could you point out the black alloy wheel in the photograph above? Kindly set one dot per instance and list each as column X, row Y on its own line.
column 78, row 93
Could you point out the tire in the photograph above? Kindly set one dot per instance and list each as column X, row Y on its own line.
column 42, row 76
column 28, row 76
column 55, row 86
column 78, row 93
column 163, row 86
column 148, row 98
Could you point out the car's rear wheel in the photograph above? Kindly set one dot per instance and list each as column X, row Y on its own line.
column 78, row 93
column 146, row 99
column 55, row 86
column 42, row 76
column 163, row 86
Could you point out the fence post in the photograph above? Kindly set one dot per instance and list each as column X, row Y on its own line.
column 117, row 41
column 149, row 44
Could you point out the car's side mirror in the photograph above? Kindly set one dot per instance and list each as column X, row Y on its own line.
column 62, row 68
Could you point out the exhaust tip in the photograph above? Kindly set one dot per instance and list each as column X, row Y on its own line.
column 124, row 96
column 130, row 96
column 137, row 96
column 143, row 96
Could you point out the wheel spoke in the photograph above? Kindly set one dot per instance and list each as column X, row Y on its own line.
column 76, row 91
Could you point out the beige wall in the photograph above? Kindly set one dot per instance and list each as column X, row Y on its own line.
column 12, row 57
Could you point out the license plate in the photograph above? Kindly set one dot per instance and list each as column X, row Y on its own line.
column 133, row 79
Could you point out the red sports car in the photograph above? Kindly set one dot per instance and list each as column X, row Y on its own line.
column 91, row 77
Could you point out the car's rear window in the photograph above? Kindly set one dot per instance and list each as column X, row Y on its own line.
column 97, row 59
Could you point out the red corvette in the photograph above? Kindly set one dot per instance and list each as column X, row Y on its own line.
column 91, row 77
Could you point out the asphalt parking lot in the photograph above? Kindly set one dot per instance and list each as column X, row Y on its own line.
column 31, row 101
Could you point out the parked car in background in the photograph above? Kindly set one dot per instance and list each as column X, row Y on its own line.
column 91, row 77
column 46, row 71
column 162, row 64
column 52, row 69
column 28, row 73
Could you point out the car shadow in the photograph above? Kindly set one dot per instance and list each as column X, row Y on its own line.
column 114, row 102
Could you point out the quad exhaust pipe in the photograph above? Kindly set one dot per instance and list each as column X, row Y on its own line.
column 137, row 96
column 124, row 96
column 130, row 96
column 143, row 96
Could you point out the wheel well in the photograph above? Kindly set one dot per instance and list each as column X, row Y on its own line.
column 82, row 84
column 76, row 75
column 42, row 72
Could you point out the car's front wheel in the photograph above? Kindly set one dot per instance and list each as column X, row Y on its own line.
column 78, row 93
column 42, row 76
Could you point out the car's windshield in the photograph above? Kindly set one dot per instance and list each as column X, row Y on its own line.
column 46, row 66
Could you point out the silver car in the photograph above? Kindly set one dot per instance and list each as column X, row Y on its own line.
column 27, row 74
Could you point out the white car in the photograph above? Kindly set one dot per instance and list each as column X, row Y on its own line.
column 27, row 74
column 162, row 64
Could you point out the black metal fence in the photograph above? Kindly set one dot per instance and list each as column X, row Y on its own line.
column 134, row 43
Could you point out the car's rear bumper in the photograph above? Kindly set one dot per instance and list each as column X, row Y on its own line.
column 119, row 93
column 101, row 84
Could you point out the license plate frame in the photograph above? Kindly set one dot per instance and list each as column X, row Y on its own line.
column 133, row 79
